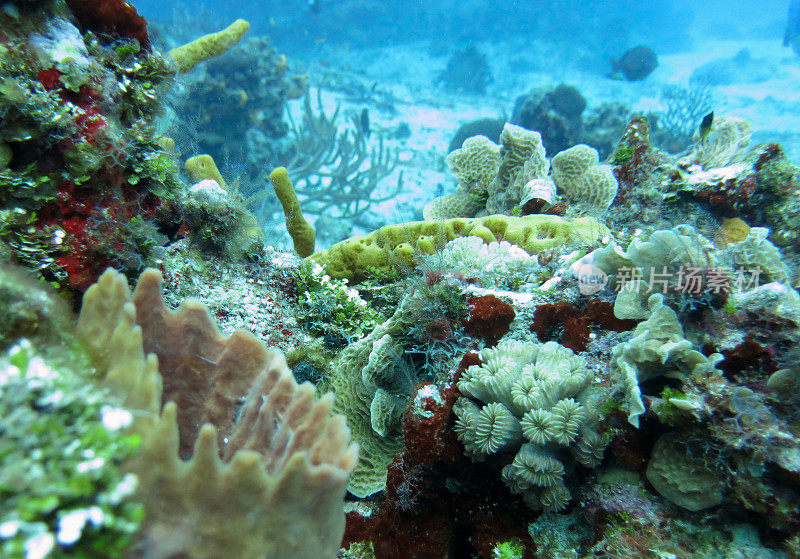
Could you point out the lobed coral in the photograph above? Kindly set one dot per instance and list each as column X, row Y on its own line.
column 726, row 141
column 577, row 174
column 758, row 255
column 657, row 348
column 492, row 178
column 534, row 403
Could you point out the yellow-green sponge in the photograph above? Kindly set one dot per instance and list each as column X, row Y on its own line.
column 202, row 167
column 208, row 46
column 397, row 244
column 303, row 235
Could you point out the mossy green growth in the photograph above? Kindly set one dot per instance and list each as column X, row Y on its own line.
column 668, row 412
column 623, row 154
column 62, row 489
column 508, row 550
column 330, row 306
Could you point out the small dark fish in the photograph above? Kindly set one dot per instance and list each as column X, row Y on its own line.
column 315, row 6
column 706, row 124
column 364, row 120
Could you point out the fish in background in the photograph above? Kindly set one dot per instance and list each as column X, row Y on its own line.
column 792, row 35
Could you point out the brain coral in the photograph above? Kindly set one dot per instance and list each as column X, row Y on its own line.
column 492, row 178
column 529, row 402
column 577, row 174
column 570, row 165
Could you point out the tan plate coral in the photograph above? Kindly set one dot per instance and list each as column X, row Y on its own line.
column 266, row 478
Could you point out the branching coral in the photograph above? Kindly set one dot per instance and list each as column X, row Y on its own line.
column 334, row 169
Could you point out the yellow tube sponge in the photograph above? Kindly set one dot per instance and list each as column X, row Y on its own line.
column 397, row 244
column 202, row 167
column 208, row 46
column 302, row 233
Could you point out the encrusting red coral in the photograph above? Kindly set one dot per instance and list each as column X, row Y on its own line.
column 748, row 357
column 490, row 318
column 114, row 17
column 577, row 321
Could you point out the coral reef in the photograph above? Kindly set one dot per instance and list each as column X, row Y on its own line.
column 551, row 364
column 492, row 178
column 86, row 182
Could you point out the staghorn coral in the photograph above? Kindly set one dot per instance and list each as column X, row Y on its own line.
column 397, row 244
column 284, row 462
column 535, row 393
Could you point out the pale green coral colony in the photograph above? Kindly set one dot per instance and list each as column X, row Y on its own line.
column 534, row 398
